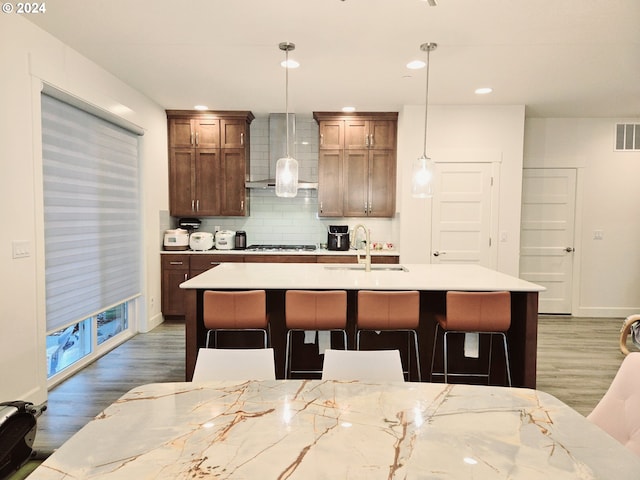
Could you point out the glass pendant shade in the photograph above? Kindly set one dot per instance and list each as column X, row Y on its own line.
column 422, row 178
column 286, row 177
column 423, row 172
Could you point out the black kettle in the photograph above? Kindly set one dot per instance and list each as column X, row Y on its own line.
column 241, row 240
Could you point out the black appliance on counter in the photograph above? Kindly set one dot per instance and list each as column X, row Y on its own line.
column 240, row 240
column 18, row 427
column 338, row 237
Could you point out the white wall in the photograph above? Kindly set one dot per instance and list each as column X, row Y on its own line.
column 462, row 134
column 607, row 271
column 29, row 56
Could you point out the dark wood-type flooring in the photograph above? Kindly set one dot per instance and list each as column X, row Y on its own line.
column 577, row 359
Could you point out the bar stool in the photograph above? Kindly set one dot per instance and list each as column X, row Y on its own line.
column 390, row 311
column 313, row 310
column 474, row 312
column 235, row 311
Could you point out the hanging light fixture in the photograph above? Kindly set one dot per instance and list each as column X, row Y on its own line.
column 287, row 167
column 422, row 174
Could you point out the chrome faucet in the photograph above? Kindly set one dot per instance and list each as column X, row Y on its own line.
column 367, row 257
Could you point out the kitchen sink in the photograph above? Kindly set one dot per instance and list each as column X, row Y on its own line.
column 377, row 268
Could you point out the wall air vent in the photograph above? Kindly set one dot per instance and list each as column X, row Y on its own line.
column 627, row 137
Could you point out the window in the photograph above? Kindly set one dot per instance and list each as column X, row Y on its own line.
column 91, row 213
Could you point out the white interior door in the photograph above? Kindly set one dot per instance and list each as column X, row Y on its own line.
column 462, row 215
column 547, row 235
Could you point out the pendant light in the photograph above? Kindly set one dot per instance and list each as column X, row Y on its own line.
column 422, row 174
column 287, row 167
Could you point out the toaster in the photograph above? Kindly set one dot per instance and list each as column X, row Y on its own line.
column 201, row 241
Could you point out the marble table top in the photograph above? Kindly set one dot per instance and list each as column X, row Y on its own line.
column 314, row 429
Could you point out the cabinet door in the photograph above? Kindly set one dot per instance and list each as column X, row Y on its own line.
column 175, row 270
column 234, row 133
column 182, row 181
column 356, row 183
column 202, row 262
column 234, row 173
column 331, row 134
column 382, row 134
column 181, row 134
column 356, row 133
column 382, row 183
column 208, row 180
column 207, row 132
column 330, row 176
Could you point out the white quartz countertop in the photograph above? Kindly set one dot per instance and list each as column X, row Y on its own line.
column 317, row 251
column 426, row 277
column 296, row 429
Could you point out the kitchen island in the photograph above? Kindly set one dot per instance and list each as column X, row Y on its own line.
column 433, row 281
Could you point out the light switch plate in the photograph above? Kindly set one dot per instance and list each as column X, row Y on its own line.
column 21, row 248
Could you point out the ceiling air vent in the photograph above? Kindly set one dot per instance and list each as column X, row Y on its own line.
column 627, row 137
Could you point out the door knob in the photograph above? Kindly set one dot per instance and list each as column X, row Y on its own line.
column 437, row 253
column 569, row 249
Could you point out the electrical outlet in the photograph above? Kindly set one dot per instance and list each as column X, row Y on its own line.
column 21, row 248
column 598, row 235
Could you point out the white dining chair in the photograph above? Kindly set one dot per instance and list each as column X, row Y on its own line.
column 234, row 364
column 365, row 365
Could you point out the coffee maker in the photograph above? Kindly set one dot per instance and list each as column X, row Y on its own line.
column 338, row 237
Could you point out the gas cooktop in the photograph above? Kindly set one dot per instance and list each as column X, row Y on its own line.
column 282, row 248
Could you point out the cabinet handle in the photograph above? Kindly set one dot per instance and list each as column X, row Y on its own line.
column 242, row 139
column 366, row 140
column 197, row 139
column 322, row 139
column 197, row 205
column 371, row 140
column 186, row 277
column 215, row 264
column 193, row 205
column 369, row 212
column 321, row 210
column 241, row 204
column 365, row 207
column 175, row 263
column 191, row 139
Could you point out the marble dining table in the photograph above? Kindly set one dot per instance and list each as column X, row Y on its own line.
column 315, row 429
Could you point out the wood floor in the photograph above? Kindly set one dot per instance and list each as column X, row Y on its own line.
column 577, row 359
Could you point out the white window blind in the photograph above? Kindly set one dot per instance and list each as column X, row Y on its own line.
column 91, row 213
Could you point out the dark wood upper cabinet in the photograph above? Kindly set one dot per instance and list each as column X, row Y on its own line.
column 357, row 164
column 208, row 162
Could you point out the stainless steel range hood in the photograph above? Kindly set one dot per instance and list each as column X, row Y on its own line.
column 278, row 149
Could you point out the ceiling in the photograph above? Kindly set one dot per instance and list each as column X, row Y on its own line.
column 568, row 58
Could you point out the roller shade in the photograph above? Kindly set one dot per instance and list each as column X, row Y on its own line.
column 91, row 213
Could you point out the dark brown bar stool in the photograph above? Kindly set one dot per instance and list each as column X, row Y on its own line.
column 390, row 311
column 235, row 311
column 313, row 310
column 474, row 312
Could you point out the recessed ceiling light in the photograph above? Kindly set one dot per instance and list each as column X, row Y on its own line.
column 290, row 64
column 483, row 90
column 348, row 109
column 416, row 65
column 201, row 107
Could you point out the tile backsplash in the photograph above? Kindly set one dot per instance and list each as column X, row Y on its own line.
column 275, row 220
